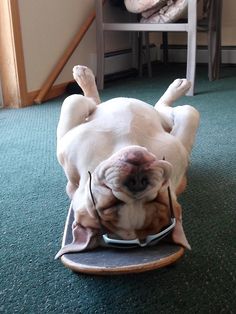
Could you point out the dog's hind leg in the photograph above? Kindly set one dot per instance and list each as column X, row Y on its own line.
column 86, row 81
column 74, row 111
column 182, row 121
column 185, row 124
column 176, row 90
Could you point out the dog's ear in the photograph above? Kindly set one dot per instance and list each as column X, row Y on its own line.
column 178, row 234
column 85, row 232
column 83, row 239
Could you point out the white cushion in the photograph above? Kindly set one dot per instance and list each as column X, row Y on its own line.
column 172, row 12
column 158, row 11
column 138, row 6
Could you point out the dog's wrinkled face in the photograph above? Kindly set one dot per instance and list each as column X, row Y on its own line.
column 130, row 194
column 126, row 188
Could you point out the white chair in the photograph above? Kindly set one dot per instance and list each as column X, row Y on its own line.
column 190, row 27
column 211, row 24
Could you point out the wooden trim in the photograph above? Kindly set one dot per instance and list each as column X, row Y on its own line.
column 12, row 67
column 55, row 91
column 19, row 52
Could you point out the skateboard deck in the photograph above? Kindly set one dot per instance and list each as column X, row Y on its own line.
column 111, row 261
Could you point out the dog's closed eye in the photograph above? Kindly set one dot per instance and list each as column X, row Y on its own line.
column 111, row 207
column 109, row 214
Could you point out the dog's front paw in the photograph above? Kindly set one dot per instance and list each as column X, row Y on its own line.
column 83, row 76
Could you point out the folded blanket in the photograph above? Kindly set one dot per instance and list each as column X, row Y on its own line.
column 158, row 11
column 139, row 6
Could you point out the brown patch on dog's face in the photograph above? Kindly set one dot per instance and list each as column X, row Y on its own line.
column 137, row 219
column 157, row 217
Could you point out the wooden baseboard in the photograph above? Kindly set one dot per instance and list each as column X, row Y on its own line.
column 55, row 91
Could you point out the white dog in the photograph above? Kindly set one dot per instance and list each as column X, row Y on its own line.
column 137, row 155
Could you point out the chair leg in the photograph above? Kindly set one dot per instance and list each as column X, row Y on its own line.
column 165, row 47
column 140, row 53
column 145, row 36
column 100, row 45
column 148, row 53
column 218, row 40
column 191, row 53
column 214, row 40
column 211, row 54
column 135, row 50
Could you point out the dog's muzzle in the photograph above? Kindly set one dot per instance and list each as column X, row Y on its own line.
column 137, row 160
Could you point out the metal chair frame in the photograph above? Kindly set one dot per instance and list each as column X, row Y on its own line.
column 190, row 27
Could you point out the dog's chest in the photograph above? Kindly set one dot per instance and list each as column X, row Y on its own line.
column 127, row 117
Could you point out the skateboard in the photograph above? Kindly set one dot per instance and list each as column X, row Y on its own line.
column 112, row 261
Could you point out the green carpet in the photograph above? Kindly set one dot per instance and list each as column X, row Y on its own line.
column 34, row 205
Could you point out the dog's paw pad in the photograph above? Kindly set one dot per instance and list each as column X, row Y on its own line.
column 83, row 76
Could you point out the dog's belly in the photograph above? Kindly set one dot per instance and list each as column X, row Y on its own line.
column 118, row 123
column 127, row 116
column 128, row 122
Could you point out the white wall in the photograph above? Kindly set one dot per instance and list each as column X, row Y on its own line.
column 229, row 23
column 48, row 26
column 47, row 29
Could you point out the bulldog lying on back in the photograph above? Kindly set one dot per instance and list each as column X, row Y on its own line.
column 125, row 162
